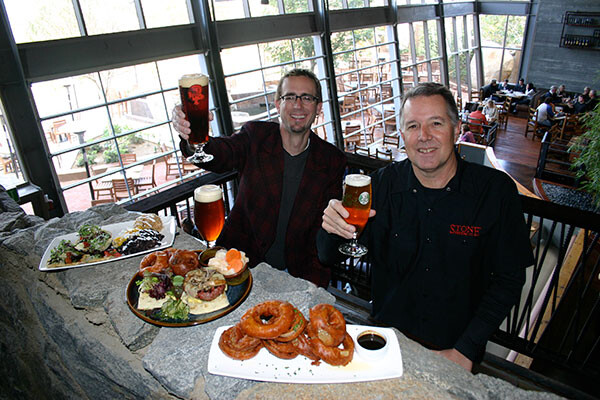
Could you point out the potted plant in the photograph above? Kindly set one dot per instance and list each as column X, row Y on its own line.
column 587, row 150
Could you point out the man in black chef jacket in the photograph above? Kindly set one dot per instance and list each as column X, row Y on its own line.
column 447, row 238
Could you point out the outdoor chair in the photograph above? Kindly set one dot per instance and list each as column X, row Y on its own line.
column 121, row 186
column 128, row 158
column 146, row 182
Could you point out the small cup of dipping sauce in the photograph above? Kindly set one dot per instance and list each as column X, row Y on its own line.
column 371, row 345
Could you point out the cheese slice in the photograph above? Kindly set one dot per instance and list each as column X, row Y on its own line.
column 145, row 302
column 198, row 306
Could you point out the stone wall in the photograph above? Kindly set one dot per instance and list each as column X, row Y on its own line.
column 551, row 64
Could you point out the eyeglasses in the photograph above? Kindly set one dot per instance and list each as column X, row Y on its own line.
column 305, row 98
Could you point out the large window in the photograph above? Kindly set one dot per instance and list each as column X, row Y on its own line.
column 462, row 61
column 113, row 125
column 37, row 20
column 501, row 46
column 367, row 84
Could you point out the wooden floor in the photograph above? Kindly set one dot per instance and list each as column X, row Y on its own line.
column 516, row 153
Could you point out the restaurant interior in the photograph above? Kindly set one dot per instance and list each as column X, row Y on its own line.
column 87, row 92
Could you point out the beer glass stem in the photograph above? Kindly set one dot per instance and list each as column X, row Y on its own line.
column 353, row 248
column 199, row 155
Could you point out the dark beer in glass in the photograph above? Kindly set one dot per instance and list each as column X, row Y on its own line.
column 209, row 212
column 193, row 89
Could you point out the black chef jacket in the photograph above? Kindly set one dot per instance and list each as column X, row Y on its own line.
column 447, row 264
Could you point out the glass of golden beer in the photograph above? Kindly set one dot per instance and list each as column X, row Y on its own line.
column 193, row 89
column 357, row 201
column 209, row 212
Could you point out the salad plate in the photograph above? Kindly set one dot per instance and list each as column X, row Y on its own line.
column 169, row 229
column 236, row 294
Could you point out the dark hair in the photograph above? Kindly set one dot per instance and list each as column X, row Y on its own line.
column 480, row 108
column 465, row 128
column 428, row 89
column 547, row 100
column 300, row 72
column 521, row 80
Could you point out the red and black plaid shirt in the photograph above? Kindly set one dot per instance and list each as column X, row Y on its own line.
column 257, row 154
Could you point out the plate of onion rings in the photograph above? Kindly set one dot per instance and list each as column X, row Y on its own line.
column 264, row 366
column 234, row 295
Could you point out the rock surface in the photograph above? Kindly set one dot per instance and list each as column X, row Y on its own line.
column 70, row 334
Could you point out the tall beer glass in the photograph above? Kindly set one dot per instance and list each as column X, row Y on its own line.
column 357, row 200
column 209, row 212
column 193, row 89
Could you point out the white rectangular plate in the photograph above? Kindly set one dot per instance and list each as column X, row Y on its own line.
column 169, row 229
column 266, row 367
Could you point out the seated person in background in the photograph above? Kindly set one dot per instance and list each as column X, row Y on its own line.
column 545, row 113
column 505, row 85
column 529, row 92
column 477, row 120
column 562, row 93
column 287, row 174
column 593, row 100
column 466, row 135
column 552, row 95
column 580, row 106
column 586, row 93
column 447, row 239
column 489, row 90
column 490, row 111
column 520, row 87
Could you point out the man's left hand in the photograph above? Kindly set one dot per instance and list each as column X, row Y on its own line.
column 457, row 357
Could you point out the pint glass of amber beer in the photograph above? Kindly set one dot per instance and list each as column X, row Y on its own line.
column 193, row 89
column 209, row 212
column 357, row 201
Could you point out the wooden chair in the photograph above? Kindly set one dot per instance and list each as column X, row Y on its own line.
column 533, row 126
column 459, row 103
column 383, row 154
column 393, row 139
column 389, row 122
column 128, row 158
column 386, row 91
column 570, row 126
column 146, row 182
column 121, row 186
column 103, row 190
column 503, row 112
column 353, row 138
column 362, row 150
column 349, row 103
column 56, row 132
column 476, row 95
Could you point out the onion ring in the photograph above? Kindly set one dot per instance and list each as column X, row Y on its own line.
column 268, row 320
column 328, row 324
column 296, row 328
column 334, row 355
column 237, row 345
column 303, row 347
column 285, row 350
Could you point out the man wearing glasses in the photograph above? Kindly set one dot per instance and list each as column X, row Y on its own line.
column 287, row 176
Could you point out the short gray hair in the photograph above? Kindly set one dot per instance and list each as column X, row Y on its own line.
column 432, row 89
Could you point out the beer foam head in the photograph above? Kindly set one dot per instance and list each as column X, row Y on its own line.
column 207, row 193
column 189, row 80
column 358, row 180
